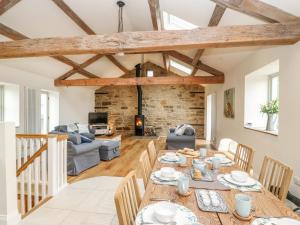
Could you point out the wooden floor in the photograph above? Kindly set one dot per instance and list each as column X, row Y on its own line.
column 131, row 149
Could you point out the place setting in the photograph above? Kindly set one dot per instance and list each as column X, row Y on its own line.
column 166, row 176
column 166, row 213
column 172, row 158
column 220, row 159
column 239, row 180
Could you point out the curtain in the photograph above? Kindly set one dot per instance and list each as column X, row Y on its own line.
column 32, row 111
column 1, row 102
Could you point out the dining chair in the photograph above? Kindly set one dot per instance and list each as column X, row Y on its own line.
column 145, row 167
column 276, row 177
column 128, row 199
column 152, row 152
column 244, row 157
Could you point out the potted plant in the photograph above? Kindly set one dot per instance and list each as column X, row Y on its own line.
column 271, row 109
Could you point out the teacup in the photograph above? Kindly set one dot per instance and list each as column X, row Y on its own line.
column 243, row 205
column 216, row 163
column 203, row 152
column 183, row 185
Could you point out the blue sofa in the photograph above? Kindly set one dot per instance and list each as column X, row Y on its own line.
column 81, row 155
column 175, row 142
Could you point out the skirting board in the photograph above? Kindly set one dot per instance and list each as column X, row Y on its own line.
column 12, row 219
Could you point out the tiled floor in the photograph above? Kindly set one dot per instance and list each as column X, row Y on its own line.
column 86, row 202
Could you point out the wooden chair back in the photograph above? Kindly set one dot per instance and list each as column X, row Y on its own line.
column 276, row 177
column 128, row 199
column 244, row 157
column 145, row 167
column 152, row 152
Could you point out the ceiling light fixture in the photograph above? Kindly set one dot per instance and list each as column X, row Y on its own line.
column 121, row 4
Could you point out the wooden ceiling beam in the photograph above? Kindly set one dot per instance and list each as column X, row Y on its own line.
column 214, row 21
column 199, row 65
column 73, row 16
column 155, row 14
column 81, row 66
column 259, row 10
column 169, row 80
column 7, row 4
column 15, row 35
column 166, row 60
column 117, row 63
column 128, row 42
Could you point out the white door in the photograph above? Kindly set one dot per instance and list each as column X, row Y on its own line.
column 211, row 117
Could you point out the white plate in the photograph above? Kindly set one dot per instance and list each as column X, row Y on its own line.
column 223, row 160
column 250, row 181
column 281, row 221
column 158, row 175
column 183, row 215
column 173, row 159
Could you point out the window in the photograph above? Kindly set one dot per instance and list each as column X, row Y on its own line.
column 180, row 67
column 150, row 73
column 172, row 22
column 261, row 87
column 10, row 103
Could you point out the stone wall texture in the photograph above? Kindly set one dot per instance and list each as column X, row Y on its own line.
column 164, row 106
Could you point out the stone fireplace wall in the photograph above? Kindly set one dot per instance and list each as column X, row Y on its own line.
column 164, row 106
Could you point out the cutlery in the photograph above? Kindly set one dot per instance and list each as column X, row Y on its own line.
column 162, row 199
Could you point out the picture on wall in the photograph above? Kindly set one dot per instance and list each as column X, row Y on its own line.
column 229, row 103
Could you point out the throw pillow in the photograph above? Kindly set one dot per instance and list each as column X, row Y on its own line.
column 72, row 128
column 88, row 135
column 189, row 130
column 85, row 139
column 75, row 138
column 180, row 130
column 83, row 128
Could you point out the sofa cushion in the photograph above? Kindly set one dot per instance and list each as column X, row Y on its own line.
column 86, row 147
column 61, row 128
column 75, row 138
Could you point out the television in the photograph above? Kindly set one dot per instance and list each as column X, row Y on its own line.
column 98, row 117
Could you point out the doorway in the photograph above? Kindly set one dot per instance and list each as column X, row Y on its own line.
column 44, row 112
column 211, row 117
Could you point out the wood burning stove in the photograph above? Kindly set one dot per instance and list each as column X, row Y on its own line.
column 139, row 120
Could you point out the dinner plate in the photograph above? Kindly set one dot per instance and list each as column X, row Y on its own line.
column 223, row 160
column 166, row 158
column 158, row 175
column 183, row 215
column 277, row 221
column 250, row 181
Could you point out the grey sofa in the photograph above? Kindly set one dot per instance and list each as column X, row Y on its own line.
column 175, row 142
column 80, row 156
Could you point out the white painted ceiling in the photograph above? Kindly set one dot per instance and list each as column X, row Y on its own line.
column 42, row 18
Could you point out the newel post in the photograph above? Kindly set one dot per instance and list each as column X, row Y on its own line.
column 9, row 213
column 52, row 165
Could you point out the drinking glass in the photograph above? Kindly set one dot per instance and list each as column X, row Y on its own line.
column 203, row 152
column 243, row 205
column 183, row 185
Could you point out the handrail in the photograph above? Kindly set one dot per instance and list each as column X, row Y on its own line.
column 32, row 158
column 32, row 135
column 60, row 137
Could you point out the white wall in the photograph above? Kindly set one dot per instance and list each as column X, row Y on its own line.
column 285, row 146
column 74, row 103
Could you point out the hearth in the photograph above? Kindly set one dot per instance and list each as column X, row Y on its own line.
column 139, row 119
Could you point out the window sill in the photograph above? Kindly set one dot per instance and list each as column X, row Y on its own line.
column 261, row 130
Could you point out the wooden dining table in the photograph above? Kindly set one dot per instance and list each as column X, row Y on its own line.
column 264, row 203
